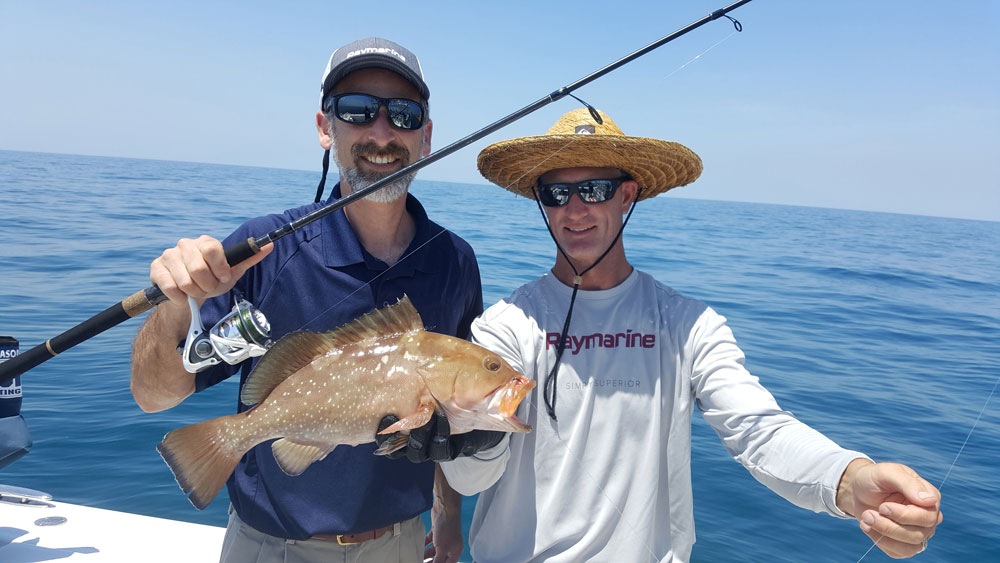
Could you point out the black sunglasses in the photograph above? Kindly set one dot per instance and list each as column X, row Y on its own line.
column 590, row 191
column 363, row 108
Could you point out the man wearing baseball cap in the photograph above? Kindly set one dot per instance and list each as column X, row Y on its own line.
column 351, row 505
column 623, row 361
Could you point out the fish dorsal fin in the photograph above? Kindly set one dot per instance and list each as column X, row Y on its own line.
column 290, row 354
column 297, row 349
column 393, row 319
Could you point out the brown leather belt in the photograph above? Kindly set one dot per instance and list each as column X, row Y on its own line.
column 350, row 539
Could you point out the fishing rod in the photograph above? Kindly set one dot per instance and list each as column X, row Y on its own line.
column 144, row 300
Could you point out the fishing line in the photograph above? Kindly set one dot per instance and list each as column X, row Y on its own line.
column 680, row 68
column 976, row 423
column 955, row 461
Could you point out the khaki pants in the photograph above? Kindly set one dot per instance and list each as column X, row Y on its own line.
column 244, row 544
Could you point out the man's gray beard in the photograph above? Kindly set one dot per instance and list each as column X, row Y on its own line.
column 359, row 180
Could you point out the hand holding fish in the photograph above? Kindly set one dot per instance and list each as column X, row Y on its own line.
column 434, row 441
column 895, row 507
column 313, row 392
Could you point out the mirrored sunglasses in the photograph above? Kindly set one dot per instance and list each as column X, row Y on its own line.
column 363, row 108
column 590, row 191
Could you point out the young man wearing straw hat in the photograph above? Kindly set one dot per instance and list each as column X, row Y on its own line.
column 640, row 358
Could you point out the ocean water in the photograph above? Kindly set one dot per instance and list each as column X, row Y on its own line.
column 880, row 330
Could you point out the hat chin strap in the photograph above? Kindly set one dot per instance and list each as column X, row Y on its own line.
column 550, row 386
column 322, row 180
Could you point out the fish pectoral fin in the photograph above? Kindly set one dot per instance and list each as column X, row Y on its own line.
column 397, row 443
column 415, row 420
column 294, row 458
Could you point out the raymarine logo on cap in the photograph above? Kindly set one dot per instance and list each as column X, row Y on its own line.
column 376, row 50
column 584, row 130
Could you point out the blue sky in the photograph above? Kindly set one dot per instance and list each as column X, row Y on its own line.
column 875, row 105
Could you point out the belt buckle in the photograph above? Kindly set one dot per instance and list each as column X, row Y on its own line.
column 340, row 541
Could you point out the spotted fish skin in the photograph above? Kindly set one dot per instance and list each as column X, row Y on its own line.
column 314, row 392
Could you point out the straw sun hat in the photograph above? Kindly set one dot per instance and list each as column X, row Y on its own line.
column 577, row 140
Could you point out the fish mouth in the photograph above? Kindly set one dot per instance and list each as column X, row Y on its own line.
column 507, row 398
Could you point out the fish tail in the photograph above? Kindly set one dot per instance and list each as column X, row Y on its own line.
column 200, row 458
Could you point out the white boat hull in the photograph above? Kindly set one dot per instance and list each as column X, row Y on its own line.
column 43, row 530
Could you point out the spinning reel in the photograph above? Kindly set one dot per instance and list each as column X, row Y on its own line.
column 243, row 333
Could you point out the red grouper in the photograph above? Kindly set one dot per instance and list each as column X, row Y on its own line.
column 316, row 391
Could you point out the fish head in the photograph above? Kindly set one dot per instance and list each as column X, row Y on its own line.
column 477, row 389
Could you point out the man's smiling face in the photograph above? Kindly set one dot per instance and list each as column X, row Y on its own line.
column 586, row 230
column 368, row 152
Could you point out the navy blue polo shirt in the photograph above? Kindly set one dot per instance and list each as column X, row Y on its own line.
column 318, row 278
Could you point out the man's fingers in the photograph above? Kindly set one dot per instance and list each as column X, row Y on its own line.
column 198, row 268
column 160, row 276
column 911, row 514
column 210, row 269
column 895, row 548
column 241, row 268
column 439, row 447
column 902, row 480
column 898, row 540
column 919, row 505
column 422, row 433
column 442, row 426
column 416, row 448
column 182, row 271
column 205, row 259
column 924, row 494
column 873, row 521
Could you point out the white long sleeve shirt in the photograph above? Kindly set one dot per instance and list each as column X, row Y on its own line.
column 611, row 480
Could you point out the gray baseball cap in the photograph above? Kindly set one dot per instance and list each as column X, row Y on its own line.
column 372, row 52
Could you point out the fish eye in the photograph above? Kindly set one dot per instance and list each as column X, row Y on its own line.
column 491, row 363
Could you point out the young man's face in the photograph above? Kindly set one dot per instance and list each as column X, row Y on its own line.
column 586, row 230
column 375, row 149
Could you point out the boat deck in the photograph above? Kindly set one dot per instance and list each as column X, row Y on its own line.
column 38, row 529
